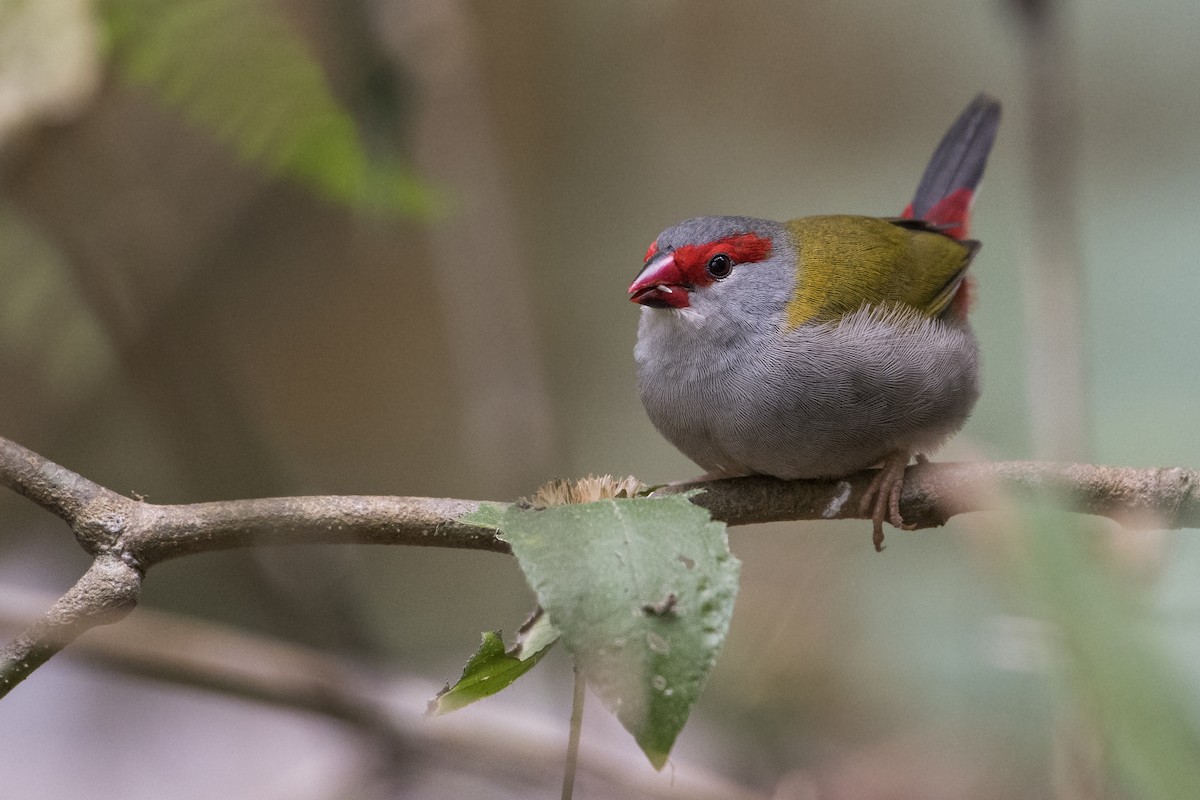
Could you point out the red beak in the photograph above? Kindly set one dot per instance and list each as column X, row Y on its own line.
column 660, row 284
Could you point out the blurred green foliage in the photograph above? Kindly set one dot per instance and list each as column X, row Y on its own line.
column 1124, row 692
column 239, row 69
column 69, row 357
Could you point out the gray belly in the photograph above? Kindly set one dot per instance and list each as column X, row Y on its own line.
column 823, row 402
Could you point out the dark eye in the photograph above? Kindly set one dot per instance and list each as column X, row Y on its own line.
column 719, row 266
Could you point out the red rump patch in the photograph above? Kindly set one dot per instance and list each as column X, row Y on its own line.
column 953, row 211
column 951, row 214
column 742, row 248
column 650, row 251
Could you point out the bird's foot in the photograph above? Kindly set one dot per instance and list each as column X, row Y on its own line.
column 882, row 497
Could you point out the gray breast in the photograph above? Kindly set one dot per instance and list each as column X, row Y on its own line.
column 822, row 400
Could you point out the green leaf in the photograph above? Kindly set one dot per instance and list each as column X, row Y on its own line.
column 73, row 356
column 237, row 68
column 641, row 591
column 1128, row 692
column 492, row 668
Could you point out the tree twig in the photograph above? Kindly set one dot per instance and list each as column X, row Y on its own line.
column 127, row 536
column 106, row 593
column 54, row 488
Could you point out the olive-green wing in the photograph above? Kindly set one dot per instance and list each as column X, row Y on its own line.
column 845, row 262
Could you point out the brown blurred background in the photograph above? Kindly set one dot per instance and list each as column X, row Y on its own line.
column 184, row 322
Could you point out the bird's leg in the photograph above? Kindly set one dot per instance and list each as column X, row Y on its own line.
column 882, row 497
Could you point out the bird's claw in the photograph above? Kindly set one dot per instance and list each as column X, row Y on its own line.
column 882, row 498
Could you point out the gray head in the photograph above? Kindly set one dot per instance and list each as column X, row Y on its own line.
column 731, row 267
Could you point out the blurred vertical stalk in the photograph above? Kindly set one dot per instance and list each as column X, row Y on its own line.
column 483, row 283
column 1054, row 296
column 1054, row 283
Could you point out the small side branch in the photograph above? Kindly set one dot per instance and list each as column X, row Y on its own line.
column 106, row 593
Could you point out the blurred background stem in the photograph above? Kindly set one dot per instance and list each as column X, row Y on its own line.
column 1053, row 273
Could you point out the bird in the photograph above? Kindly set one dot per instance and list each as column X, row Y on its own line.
column 821, row 346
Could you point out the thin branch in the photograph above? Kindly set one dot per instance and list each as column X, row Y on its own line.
column 1163, row 498
column 157, row 533
column 128, row 537
column 163, row 646
column 56, row 489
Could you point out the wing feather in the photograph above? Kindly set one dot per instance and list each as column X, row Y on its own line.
column 846, row 262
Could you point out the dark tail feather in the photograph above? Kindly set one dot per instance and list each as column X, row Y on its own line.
column 948, row 186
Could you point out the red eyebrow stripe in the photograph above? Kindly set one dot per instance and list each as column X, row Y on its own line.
column 743, row 248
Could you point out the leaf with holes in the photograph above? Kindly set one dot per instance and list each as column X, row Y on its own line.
column 641, row 591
